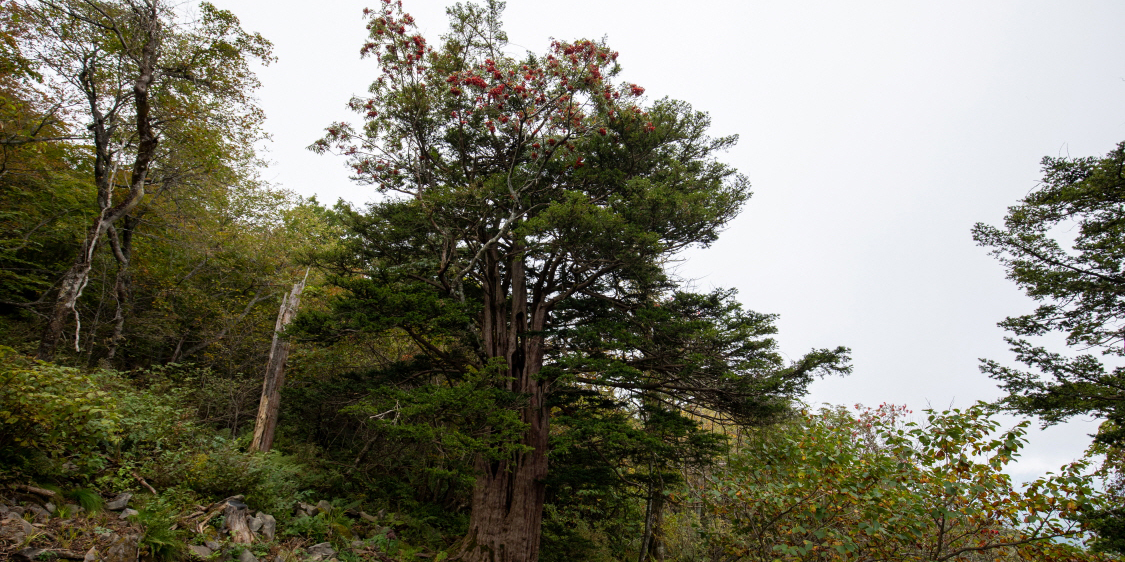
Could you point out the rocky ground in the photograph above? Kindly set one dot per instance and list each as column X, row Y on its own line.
column 36, row 524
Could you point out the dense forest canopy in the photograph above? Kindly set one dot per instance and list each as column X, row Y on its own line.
column 495, row 360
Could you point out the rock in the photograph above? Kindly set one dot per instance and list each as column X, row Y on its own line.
column 119, row 503
column 305, row 509
column 322, row 551
column 29, row 553
column 122, row 548
column 247, row 556
column 254, row 523
column 41, row 514
column 323, row 506
column 269, row 525
column 4, row 509
column 91, row 555
column 50, row 507
column 17, row 528
column 74, row 509
column 212, row 544
column 199, row 551
column 127, row 513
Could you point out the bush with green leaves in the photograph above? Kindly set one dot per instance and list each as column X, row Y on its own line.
column 52, row 413
column 834, row 487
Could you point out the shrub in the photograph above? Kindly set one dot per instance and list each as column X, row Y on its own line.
column 51, row 412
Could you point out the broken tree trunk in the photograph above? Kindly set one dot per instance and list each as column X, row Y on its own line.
column 266, row 423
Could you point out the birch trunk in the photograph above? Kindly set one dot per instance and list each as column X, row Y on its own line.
column 103, row 125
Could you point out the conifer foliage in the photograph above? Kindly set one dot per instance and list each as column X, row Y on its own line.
column 514, row 188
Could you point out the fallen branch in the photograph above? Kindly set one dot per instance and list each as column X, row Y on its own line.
column 145, row 484
column 37, row 491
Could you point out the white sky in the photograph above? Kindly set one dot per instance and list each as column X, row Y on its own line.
column 875, row 133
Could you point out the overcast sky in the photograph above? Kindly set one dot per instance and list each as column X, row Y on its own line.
column 875, row 133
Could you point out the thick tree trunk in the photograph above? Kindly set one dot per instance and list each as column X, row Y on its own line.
column 652, row 543
column 507, row 508
column 266, row 424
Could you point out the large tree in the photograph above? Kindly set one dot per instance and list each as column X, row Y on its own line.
column 514, row 186
column 137, row 77
column 1064, row 245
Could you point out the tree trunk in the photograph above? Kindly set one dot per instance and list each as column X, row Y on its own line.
column 70, row 289
column 652, row 543
column 105, row 169
column 123, row 282
column 507, row 509
column 234, row 520
column 266, row 424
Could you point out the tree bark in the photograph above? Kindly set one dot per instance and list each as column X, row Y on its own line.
column 266, row 423
column 123, row 282
column 508, row 496
column 234, row 519
column 103, row 125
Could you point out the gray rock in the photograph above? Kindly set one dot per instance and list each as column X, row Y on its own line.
column 40, row 513
column 74, row 509
column 199, row 551
column 122, row 548
column 269, row 525
column 247, row 556
column 18, row 509
column 127, row 513
column 50, row 507
column 119, row 503
column 91, row 555
column 323, row 506
column 16, row 525
column 322, row 551
column 254, row 523
column 29, row 553
column 4, row 509
column 212, row 544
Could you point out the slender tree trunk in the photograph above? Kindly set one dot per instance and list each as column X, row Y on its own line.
column 652, row 543
column 266, row 423
column 76, row 278
column 123, row 282
column 70, row 289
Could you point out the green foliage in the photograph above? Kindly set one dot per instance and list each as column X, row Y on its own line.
column 573, row 537
column 1079, row 288
column 471, row 416
column 88, row 499
column 58, row 412
column 1064, row 245
column 835, row 487
column 159, row 540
